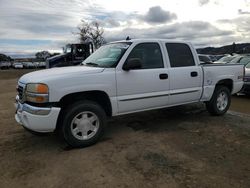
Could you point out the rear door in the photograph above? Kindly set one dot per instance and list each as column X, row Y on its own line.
column 184, row 75
column 146, row 87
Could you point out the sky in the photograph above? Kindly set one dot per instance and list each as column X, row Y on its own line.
column 28, row 26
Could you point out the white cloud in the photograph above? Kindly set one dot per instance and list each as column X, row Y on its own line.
column 55, row 20
column 156, row 15
column 200, row 33
column 203, row 2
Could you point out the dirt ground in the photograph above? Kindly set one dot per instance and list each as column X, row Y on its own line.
column 177, row 147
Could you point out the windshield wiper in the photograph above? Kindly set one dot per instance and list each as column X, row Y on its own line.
column 92, row 64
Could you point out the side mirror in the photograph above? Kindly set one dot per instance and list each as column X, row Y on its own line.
column 132, row 63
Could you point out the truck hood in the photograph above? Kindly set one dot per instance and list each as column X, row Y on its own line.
column 63, row 72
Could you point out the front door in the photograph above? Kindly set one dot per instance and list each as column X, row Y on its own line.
column 146, row 87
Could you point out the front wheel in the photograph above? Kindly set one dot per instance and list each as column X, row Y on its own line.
column 83, row 124
column 220, row 101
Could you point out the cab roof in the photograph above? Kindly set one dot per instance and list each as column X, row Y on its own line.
column 150, row 40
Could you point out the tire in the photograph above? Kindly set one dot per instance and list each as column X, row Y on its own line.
column 220, row 101
column 83, row 124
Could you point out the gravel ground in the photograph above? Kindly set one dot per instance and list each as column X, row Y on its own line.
column 176, row 147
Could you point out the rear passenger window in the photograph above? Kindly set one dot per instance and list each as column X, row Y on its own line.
column 180, row 55
column 149, row 54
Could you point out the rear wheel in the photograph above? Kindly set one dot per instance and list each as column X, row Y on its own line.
column 220, row 101
column 83, row 124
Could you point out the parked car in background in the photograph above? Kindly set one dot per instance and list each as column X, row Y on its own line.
column 29, row 65
column 236, row 59
column 226, row 59
column 17, row 65
column 25, row 65
column 36, row 64
column 246, row 86
column 204, row 59
column 42, row 65
column 5, row 65
column 244, row 60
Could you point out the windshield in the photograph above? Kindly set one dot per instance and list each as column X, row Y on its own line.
column 107, row 56
column 67, row 49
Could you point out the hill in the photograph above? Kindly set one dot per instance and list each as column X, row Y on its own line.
column 228, row 49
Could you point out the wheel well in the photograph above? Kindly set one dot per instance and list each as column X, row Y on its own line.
column 99, row 97
column 226, row 82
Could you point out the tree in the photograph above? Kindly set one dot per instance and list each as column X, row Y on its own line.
column 4, row 57
column 91, row 32
column 42, row 55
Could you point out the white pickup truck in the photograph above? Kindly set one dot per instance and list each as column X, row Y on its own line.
column 120, row 78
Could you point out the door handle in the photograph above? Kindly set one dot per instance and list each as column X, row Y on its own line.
column 194, row 74
column 163, row 76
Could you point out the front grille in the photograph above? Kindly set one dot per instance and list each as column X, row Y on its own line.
column 20, row 92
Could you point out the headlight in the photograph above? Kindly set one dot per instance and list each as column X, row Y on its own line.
column 37, row 93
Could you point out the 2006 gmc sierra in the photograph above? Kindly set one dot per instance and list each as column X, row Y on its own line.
column 120, row 78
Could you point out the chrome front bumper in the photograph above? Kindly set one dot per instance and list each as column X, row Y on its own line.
column 32, row 109
column 39, row 119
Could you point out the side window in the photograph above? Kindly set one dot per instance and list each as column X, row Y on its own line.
column 149, row 54
column 180, row 55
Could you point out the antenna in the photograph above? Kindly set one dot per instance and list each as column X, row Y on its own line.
column 128, row 38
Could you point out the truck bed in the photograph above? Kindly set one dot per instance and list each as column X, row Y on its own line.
column 213, row 73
